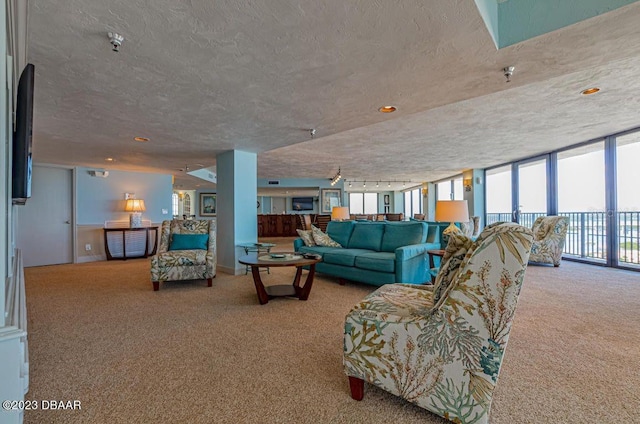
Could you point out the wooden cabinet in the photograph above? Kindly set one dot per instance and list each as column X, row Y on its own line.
column 277, row 225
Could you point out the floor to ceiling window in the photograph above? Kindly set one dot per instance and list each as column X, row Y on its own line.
column 443, row 190
column 412, row 203
column 451, row 189
column 581, row 197
column 532, row 191
column 593, row 184
column 498, row 194
column 363, row 203
column 628, row 199
column 458, row 188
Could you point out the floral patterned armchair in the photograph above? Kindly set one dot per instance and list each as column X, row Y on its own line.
column 549, row 234
column 441, row 348
column 175, row 265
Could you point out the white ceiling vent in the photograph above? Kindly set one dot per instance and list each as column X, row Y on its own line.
column 102, row 174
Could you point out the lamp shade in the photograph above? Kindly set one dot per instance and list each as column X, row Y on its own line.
column 134, row 205
column 452, row 211
column 339, row 213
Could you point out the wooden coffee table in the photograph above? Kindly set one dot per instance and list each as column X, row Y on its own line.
column 261, row 260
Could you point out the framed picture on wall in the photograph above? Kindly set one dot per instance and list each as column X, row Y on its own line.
column 386, row 199
column 329, row 198
column 208, row 204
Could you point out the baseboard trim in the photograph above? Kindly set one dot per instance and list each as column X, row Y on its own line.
column 229, row 270
column 91, row 258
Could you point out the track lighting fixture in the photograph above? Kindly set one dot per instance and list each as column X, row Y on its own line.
column 336, row 178
column 364, row 183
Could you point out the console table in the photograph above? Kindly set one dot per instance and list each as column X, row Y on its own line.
column 130, row 235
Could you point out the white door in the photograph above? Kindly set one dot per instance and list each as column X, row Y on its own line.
column 43, row 225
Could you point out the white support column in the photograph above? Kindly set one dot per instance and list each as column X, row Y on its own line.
column 236, row 215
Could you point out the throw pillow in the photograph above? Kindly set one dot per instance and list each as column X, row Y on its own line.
column 323, row 239
column 189, row 242
column 307, row 237
column 467, row 228
column 455, row 252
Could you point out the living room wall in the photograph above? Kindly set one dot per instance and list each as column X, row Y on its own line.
column 102, row 199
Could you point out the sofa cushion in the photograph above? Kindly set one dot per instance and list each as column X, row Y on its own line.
column 323, row 239
column 340, row 231
column 189, row 241
column 377, row 261
column 344, row 257
column 175, row 258
column 398, row 234
column 319, row 250
column 367, row 235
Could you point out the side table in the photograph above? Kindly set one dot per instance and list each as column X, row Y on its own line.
column 433, row 270
column 255, row 248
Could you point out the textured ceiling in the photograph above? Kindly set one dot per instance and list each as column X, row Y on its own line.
column 200, row 78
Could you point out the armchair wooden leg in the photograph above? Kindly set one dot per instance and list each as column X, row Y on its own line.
column 156, row 285
column 357, row 387
column 209, row 282
column 342, row 282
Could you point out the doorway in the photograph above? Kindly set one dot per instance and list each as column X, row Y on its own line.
column 44, row 230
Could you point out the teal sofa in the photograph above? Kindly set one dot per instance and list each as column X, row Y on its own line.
column 377, row 253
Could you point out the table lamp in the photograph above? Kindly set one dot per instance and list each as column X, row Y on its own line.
column 340, row 213
column 452, row 211
column 136, row 207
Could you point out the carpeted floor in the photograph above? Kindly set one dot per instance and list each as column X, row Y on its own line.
column 192, row 354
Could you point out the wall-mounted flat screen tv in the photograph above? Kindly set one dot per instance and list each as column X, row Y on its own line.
column 22, row 136
column 302, row 203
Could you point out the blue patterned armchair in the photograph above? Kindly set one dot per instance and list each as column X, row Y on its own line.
column 442, row 347
column 181, row 264
column 549, row 234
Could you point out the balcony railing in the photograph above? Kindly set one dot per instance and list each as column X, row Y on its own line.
column 628, row 238
column 586, row 236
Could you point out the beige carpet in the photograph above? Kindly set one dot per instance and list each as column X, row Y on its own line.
column 192, row 354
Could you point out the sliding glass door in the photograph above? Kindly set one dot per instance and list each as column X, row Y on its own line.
column 582, row 198
column 498, row 194
column 518, row 192
column 532, row 191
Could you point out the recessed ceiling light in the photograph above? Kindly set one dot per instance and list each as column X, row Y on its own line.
column 110, row 159
column 141, row 139
column 387, row 109
column 591, row 90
